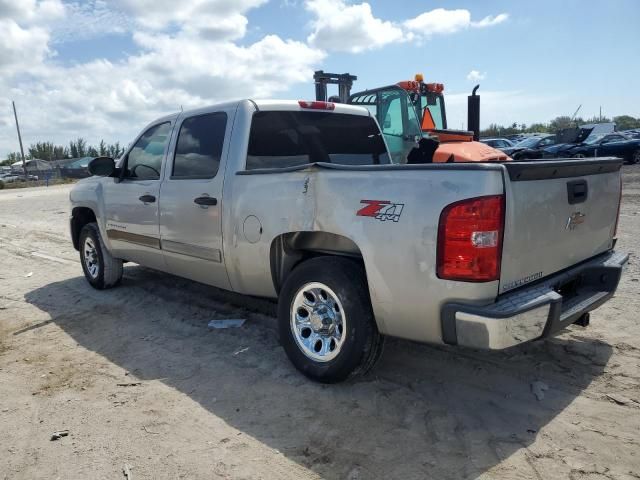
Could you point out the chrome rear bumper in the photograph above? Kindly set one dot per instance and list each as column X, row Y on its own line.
column 535, row 311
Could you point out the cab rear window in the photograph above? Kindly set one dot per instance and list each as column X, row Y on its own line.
column 280, row 139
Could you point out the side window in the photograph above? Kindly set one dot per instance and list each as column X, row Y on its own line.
column 392, row 122
column 144, row 161
column 199, row 146
column 414, row 125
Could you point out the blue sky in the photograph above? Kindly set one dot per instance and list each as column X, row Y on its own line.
column 101, row 69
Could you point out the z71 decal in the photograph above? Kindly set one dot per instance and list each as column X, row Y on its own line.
column 382, row 210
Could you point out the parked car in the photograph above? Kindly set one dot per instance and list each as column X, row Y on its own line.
column 16, row 177
column 610, row 145
column 77, row 168
column 530, row 148
column 299, row 201
column 499, row 143
column 632, row 133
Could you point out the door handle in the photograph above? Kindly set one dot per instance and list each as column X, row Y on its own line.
column 206, row 201
column 147, row 198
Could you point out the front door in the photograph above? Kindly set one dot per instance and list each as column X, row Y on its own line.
column 131, row 202
column 191, row 199
column 399, row 123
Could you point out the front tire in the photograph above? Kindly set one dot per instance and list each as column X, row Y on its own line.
column 100, row 268
column 326, row 322
column 635, row 157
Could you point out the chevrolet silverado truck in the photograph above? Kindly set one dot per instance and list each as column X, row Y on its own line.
column 300, row 201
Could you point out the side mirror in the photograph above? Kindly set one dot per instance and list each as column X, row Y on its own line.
column 102, row 166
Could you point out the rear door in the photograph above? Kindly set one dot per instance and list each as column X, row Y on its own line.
column 191, row 198
column 557, row 215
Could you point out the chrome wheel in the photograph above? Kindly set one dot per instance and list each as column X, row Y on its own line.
column 91, row 260
column 318, row 322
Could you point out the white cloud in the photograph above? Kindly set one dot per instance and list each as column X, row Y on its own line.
column 21, row 47
column 25, row 36
column 188, row 14
column 441, row 21
column 95, row 19
column 490, row 21
column 341, row 26
column 475, row 76
column 351, row 28
column 181, row 61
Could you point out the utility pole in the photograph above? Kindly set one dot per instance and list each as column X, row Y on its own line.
column 24, row 165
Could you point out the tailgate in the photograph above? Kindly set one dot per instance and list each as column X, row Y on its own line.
column 558, row 213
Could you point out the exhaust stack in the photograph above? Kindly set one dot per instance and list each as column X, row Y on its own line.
column 473, row 113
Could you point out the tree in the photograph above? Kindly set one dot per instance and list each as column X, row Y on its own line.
column 115, row 150
column 560, row 123
column 12, row 157
column 626, row 122
column 78, row 148
column 47, row 151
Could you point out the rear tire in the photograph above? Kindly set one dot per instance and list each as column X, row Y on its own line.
column 326, row 323
column 635, row 157
column 100, row 268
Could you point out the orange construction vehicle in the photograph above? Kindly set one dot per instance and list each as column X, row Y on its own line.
column 411, row 110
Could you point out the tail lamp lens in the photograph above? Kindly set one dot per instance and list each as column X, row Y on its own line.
column 470, row 239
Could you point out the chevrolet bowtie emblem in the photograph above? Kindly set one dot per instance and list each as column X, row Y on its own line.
column 574, row 220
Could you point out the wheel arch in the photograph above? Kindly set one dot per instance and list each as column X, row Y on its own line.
column 80, row 216
column 290, row 249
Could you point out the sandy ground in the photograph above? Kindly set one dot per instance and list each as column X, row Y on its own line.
column 138, row 380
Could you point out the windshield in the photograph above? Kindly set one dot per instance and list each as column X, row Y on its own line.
column 593, row 139
column 435, row 109
column 528, row 142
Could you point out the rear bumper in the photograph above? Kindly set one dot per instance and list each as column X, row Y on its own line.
column 535, row 311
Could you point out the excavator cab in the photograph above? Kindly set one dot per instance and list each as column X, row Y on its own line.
column 410, row 111
column 397, row 115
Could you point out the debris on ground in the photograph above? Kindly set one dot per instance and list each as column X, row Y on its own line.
column 226, row 323
column 241, row 350
column 127, row 472
column 538, row 389
column 28, row 274
column 619, row 399
column 130, row 384
column 59, row 434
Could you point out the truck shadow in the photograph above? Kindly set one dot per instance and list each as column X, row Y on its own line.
column 424, row 412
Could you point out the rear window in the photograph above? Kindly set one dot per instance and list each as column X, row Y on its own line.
column 286, row 139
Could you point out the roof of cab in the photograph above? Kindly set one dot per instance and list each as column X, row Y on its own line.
column 270, row 105
column 295, row 106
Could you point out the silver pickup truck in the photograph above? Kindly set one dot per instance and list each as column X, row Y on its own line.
column 299, row 201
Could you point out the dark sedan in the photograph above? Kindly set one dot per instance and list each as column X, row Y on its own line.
column 530, row 147
column 609, row 145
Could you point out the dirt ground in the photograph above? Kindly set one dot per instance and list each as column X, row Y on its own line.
column 139, row 381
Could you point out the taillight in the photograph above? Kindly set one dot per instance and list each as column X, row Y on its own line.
column 315, row 105
column 615, row 229
column 470, row 239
